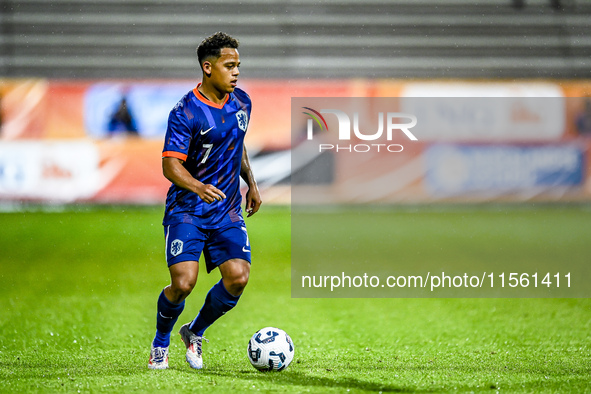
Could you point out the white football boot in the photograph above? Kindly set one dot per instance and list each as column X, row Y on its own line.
column 193, row 344
column 158, row 358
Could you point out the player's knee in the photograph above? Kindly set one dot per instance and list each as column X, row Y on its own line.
column 241, row 281
column 182, row 288
column 237, row 283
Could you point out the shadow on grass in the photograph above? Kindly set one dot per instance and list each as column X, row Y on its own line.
column 36, row 370
column 291, row 378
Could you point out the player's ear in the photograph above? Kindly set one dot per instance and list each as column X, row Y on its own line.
column 206, row 67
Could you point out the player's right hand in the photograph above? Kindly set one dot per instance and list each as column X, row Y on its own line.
column 210, row 193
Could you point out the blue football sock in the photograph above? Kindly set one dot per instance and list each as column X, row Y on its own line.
column 168, row 313
column 162, row 339
column 217, row 302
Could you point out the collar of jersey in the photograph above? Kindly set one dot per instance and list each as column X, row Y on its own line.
column 201, row 98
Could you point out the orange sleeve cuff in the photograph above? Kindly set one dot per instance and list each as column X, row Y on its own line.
column 177, row 155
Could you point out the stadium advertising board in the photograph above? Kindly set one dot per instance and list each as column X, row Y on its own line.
column 458, row 169
column 488, row 119
column 56, row 171
column 125, row 121
column 138, row 108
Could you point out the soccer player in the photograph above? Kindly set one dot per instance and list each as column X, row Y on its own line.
column 204, row 157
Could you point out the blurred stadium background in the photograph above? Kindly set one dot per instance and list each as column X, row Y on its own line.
column 85, row 87
column 85, row 92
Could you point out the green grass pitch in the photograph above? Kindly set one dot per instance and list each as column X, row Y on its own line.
column 79, row 289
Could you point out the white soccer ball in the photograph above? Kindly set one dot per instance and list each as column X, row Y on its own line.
column 270, row 349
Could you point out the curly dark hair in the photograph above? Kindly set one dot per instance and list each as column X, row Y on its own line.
column 212, row 46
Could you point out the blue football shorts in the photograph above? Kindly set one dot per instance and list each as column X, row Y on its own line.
column 185, row 242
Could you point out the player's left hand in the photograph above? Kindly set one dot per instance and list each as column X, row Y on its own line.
column 253, row 200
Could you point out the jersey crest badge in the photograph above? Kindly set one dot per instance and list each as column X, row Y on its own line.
column 176, row 247
column 242, row 120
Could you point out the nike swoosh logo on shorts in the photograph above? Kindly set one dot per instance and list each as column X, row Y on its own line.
column 245, row 250
column 206, row 131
